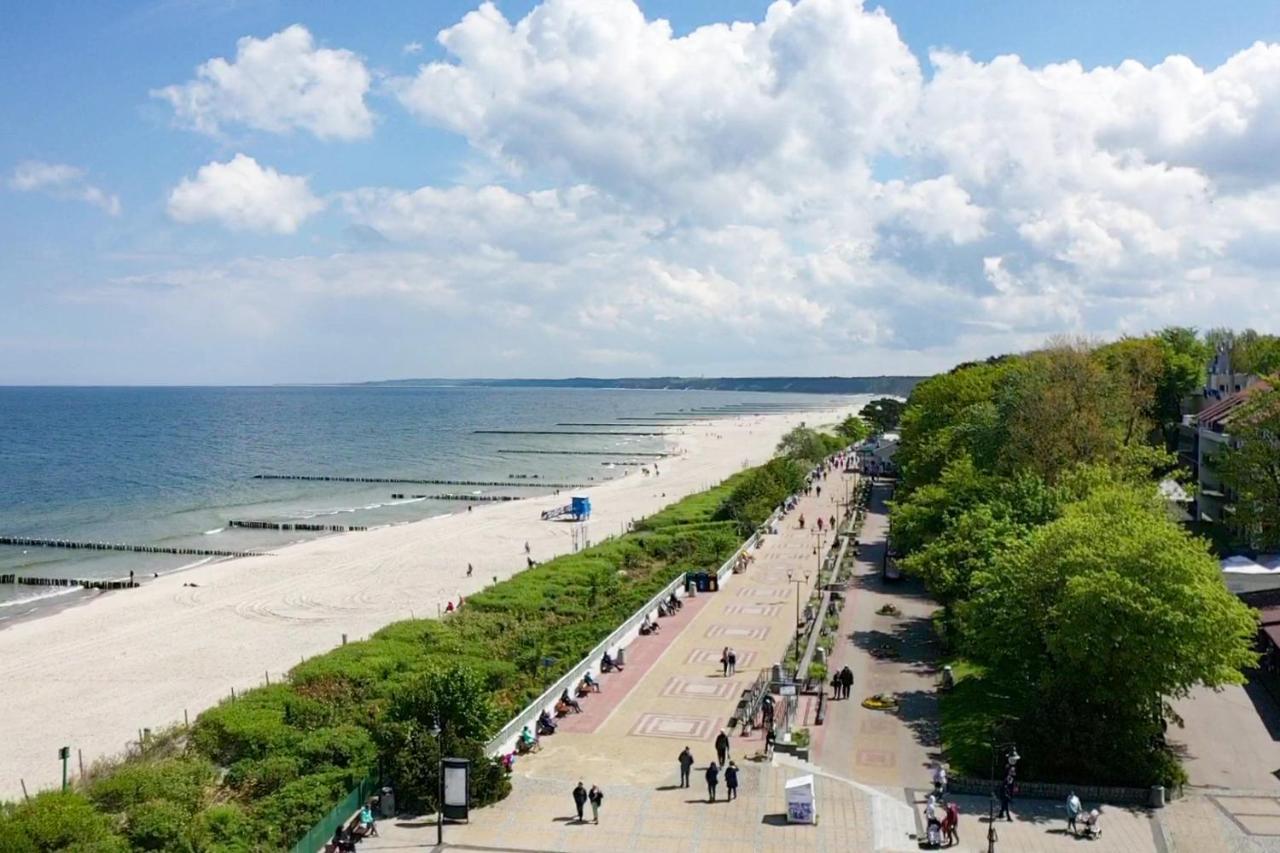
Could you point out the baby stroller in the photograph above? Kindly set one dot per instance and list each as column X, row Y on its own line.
column 1090, row 827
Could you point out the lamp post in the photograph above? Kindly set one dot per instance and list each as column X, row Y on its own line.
column 437, row 733
column 792, row 579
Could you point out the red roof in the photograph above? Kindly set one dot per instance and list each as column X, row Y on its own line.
column 1220, row 413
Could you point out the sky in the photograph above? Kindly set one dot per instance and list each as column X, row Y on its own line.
column 236, row 192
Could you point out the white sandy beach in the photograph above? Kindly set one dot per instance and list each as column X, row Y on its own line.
column 90, row 677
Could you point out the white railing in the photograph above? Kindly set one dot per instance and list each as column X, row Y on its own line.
column 505, row 740
column 727, row 568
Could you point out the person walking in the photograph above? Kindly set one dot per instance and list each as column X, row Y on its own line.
column 713, row 777
column 1073, row 813
column 686, row 764
column 724, row 663
column 951, row 825
column 939, row 779
column 1006, row 798
column 770, row 738
column 731, row 780
column 733, row 662
column 846, row 681
column 596, row 797
column 722, row 747
column 580, row 800
column 470, row 569
column 837, row 687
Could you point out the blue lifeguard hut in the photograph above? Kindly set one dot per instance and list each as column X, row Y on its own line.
column 580, row 508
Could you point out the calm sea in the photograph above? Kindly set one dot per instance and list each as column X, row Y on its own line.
column 171, row 466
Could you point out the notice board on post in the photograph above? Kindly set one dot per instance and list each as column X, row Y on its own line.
column 457, row 788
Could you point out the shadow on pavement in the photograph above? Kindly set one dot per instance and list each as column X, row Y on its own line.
column 774, row 820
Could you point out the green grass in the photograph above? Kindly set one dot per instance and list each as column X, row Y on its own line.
column 968, row 712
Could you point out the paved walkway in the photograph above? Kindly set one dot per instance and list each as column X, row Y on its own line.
column 673, row 694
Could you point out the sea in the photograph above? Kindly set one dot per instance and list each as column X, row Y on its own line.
column 172, row 466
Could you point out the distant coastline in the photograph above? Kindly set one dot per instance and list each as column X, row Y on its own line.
column 899, row 386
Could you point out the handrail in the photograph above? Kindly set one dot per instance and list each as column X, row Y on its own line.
column 726, row 568
column 504, row 740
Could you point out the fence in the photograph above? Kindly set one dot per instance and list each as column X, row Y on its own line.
column 319, row 835
column 1057, row 791
column 505, row 740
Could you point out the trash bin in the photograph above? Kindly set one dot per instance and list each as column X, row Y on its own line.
column 713, row 583
column 701, row 579
column 387, row 802
column 1157, row 796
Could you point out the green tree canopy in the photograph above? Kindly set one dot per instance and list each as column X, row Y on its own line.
column 1094, row 620
column 853, row 429
column 883, row 414
column 808, row 445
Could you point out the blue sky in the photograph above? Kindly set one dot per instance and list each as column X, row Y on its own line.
column 161, row 292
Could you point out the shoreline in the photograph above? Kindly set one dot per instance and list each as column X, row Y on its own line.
column 89, row 674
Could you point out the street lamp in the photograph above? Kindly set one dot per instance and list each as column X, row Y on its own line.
column 436, row 733
column 791, row 579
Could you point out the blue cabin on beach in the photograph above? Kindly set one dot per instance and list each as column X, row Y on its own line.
column 581, row 508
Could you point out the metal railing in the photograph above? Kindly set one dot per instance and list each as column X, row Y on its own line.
column 504, row 741
column 318, row 836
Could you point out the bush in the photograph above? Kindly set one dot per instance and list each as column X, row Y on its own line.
column 339, row 748
column 252, row 726
column 223, row 828
column 54, row 820
column 180, row 780
column 286, row 815
column 158, row 825
column 260, row 777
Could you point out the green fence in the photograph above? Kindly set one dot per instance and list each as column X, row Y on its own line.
column 318, row 836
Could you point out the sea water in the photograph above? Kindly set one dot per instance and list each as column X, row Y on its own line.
column 171, row 466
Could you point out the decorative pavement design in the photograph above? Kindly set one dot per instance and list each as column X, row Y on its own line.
column 769, row 610
column 744, row 632
column 712, row 657
column 677, row 726
column 1255, row 816
column 761, row 592
column 701, row 688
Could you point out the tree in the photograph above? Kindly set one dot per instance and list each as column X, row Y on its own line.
column 1096, row 619
column 1250, row 469
column 804, row 445
column 883, row 414
column 1135, row 368
column 853, row 429
column 1186, row 361
column 949, row 415
column 1060, row 409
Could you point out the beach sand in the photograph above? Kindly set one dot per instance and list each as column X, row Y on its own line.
column 91, row 676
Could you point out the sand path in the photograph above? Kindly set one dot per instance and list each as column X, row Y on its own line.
column 90, row 677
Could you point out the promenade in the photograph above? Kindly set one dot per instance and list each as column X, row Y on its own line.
column 673, row 694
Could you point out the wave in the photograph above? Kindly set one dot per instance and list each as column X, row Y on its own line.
column 214, row 530
column 29, row 599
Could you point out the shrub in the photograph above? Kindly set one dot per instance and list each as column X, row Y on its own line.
column 55, row 820
column 252, row 726
column 260, row 777
column 180, row 780
column 338, row 748
column 223, row 828
column 158, row 825
column 286, row 815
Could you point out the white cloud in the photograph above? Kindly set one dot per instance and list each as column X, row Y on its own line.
column 412, row 48
column 278, row 84
column 793, row 194
column 62, row 181
column 242, row 195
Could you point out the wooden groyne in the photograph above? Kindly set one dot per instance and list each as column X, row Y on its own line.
column 530, row 481
column 87, row 584
column 294, row 525
column 613, row 424
column 587, row 453
column 558, row 432
column 28, row 542
column 453, row 497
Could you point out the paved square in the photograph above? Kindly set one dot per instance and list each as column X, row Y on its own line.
column 761, row 592
column 677, row 726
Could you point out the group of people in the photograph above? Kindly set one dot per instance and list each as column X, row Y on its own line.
column 714, row 769
column 581, row 796
column 669, row 606
column 728, row 662
column 841, row 683
column 942, row 822
column 345, row 838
